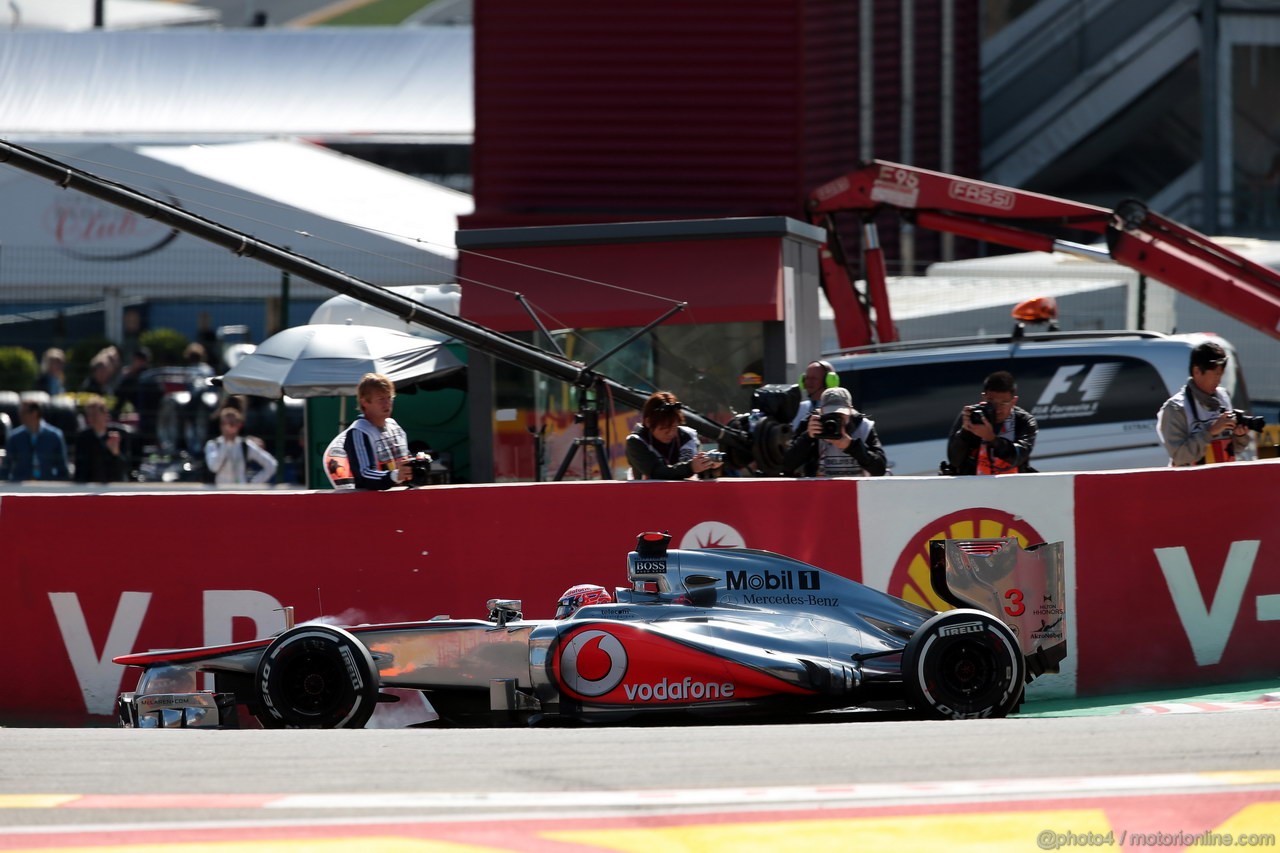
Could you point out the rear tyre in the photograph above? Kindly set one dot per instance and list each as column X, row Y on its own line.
column 316, row 677
column 963, row 664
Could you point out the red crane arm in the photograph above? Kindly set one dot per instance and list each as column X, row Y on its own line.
column 1146, row 242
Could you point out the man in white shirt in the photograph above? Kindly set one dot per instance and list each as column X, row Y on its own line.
column 228, row 456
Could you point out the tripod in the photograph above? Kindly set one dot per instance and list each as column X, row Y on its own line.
column 589, row 417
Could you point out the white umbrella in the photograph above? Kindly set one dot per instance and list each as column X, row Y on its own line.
column 348, row 309
column 323, row 360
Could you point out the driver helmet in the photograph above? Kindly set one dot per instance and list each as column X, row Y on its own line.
column 576, row 596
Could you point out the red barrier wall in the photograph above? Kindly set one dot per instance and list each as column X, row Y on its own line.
column 88, row 577
column 1173, row 576
column 1178, row 577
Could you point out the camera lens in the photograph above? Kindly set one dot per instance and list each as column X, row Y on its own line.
column 1252, row 422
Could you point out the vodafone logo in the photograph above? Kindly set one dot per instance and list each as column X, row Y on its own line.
column 910, row 577
column 712, row 534
column 592, row 663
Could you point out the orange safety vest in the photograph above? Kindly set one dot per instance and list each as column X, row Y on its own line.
column 988, row 463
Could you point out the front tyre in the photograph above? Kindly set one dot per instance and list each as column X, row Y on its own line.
column 963, row 664
column 316, row 677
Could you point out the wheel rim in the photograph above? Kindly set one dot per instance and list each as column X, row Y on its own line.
column 313, row 683
column 967, row 669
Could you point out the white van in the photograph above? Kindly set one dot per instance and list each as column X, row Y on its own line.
column 1095, row 395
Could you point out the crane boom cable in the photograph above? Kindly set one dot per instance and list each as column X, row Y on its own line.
column 485, row 340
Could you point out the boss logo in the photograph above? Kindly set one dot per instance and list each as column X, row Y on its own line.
column 651, row 567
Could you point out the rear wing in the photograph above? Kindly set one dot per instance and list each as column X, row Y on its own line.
column 1022, row 587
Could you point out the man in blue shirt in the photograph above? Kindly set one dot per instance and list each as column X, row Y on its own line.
column 36, row 450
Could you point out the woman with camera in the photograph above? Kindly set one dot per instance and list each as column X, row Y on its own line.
column 661, row 448
column 837, row 441
column 994, row 436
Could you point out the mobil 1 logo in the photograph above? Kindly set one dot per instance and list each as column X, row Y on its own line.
column 785, row 579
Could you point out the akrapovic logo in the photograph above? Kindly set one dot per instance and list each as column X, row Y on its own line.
column 983, row 194
column 962, row 628
column 1075, row 393
column 803, row 579
column 650, row 567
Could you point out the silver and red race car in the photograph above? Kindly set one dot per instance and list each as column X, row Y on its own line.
column 710, row 634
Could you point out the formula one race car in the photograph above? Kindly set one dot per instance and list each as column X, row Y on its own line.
column 715, row 634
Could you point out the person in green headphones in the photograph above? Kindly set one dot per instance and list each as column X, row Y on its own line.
column 818, row 377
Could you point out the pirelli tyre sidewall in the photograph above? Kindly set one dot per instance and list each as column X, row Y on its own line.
column 316, row 677
column 963, row 664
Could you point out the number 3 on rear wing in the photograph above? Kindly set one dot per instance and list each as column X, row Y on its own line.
column 1024, row 588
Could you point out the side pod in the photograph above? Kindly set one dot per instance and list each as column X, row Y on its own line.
column 1024, row 588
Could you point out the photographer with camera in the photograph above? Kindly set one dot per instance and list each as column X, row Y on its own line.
column 993, row 436
column 1197, row 425
column 837, row 441
column 661, row 448
column 372, row 453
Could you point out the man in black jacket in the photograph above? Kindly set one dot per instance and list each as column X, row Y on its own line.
column 102, row 447
column 836, row 440
column 994, row 436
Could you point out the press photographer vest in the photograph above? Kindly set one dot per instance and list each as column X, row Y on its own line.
column 834, row 462
column 1218, row 449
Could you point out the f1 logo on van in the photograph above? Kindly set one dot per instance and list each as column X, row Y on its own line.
column 1074, row 393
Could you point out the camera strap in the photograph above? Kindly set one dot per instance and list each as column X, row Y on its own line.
column 990, row 464
column 1221, row 449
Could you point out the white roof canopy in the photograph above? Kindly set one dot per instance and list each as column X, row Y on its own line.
column 330, row 84
column 72, row 15
column 339, row 210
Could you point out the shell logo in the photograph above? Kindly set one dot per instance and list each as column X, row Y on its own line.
column 592, row 663
column 910, row 577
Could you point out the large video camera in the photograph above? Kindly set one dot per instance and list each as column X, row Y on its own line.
column 765, row 430
column 1254, row 422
